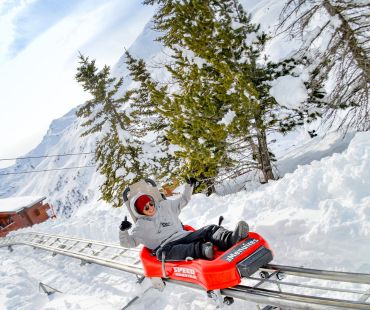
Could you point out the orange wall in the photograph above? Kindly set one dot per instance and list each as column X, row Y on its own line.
column 27, row 217
column 37, row 213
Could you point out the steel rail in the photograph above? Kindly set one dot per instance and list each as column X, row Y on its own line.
column 91, row 259
column 316, row 287
column 350, row 277
column 131, row 268
column 291, row 300
column 248, row 293
column 280, row 299
column 111, row 245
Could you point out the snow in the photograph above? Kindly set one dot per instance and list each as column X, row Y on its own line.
column 290, row 153
column 67, row 189
column 289, row 91
column 317, row 216
column 14, row 204
column 228, row 118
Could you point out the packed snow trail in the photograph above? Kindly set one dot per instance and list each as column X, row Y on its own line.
column 113, row 256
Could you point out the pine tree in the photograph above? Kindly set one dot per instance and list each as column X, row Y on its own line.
column 218, row 33
column 188, row 119
column 195, row 112
column 209, row 121
column 118, row 153
column 148, row 119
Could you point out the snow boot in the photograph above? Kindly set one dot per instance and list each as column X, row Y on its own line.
column 207, row 250
column 241, row 231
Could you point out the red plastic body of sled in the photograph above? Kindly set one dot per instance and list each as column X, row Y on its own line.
column 218, row 273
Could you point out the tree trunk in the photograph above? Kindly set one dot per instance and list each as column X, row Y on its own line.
column 264, row 159
column 359, row 54
column 210, row 188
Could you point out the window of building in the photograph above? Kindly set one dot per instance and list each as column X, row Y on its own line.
column 37, row 212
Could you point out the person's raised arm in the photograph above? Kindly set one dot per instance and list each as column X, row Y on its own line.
column 125, row 239
column 186, row 195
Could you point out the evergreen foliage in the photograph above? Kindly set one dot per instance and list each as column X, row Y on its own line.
column 209, row 121
column 219, row 37
column 118, row 154
column 148, row 119
column 188, row 119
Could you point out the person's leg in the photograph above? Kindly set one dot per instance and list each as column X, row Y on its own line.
column 181, row 251
column 218, row 235
column 188, row 246
column 191, row 244
column 224, row 238
column 199, row 235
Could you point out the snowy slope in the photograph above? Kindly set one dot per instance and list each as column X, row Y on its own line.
column 68, row 189
column 65, row 189
column 318, row 217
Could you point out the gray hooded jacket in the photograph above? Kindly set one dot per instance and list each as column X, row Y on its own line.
column 164, row 226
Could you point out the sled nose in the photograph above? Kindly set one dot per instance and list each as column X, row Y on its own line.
column 253, row 262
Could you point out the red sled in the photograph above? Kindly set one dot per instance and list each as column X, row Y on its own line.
column 225, row 270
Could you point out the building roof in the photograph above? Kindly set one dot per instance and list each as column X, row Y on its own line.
column 14, row 204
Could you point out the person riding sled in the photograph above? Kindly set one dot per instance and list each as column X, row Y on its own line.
column 159, row 228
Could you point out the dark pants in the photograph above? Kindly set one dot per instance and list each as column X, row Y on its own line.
column 190, row 245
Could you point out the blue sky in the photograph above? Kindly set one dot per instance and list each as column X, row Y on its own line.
column 39, row 44
column 35, row 19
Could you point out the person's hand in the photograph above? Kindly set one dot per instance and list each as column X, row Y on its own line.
column 125, row 225
column 191, row 181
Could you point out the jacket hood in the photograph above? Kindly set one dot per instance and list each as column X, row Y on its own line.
column 132, row 204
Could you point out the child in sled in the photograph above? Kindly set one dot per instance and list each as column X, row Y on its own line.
column 159, row 228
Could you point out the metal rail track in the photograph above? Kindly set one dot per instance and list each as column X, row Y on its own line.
column 324, row 292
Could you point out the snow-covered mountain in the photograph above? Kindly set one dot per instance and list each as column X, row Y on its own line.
column 66, row 185
column 317, row 215
column 67, row 189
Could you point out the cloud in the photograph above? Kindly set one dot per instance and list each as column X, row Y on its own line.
column 37, row 83
column 35, row 18
column 8, row 13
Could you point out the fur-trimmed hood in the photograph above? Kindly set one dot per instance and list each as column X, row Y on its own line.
column 133, row 200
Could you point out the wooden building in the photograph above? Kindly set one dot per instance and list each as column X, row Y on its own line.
column 20, row 212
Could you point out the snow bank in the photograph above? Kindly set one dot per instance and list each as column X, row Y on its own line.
column 318, row 217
